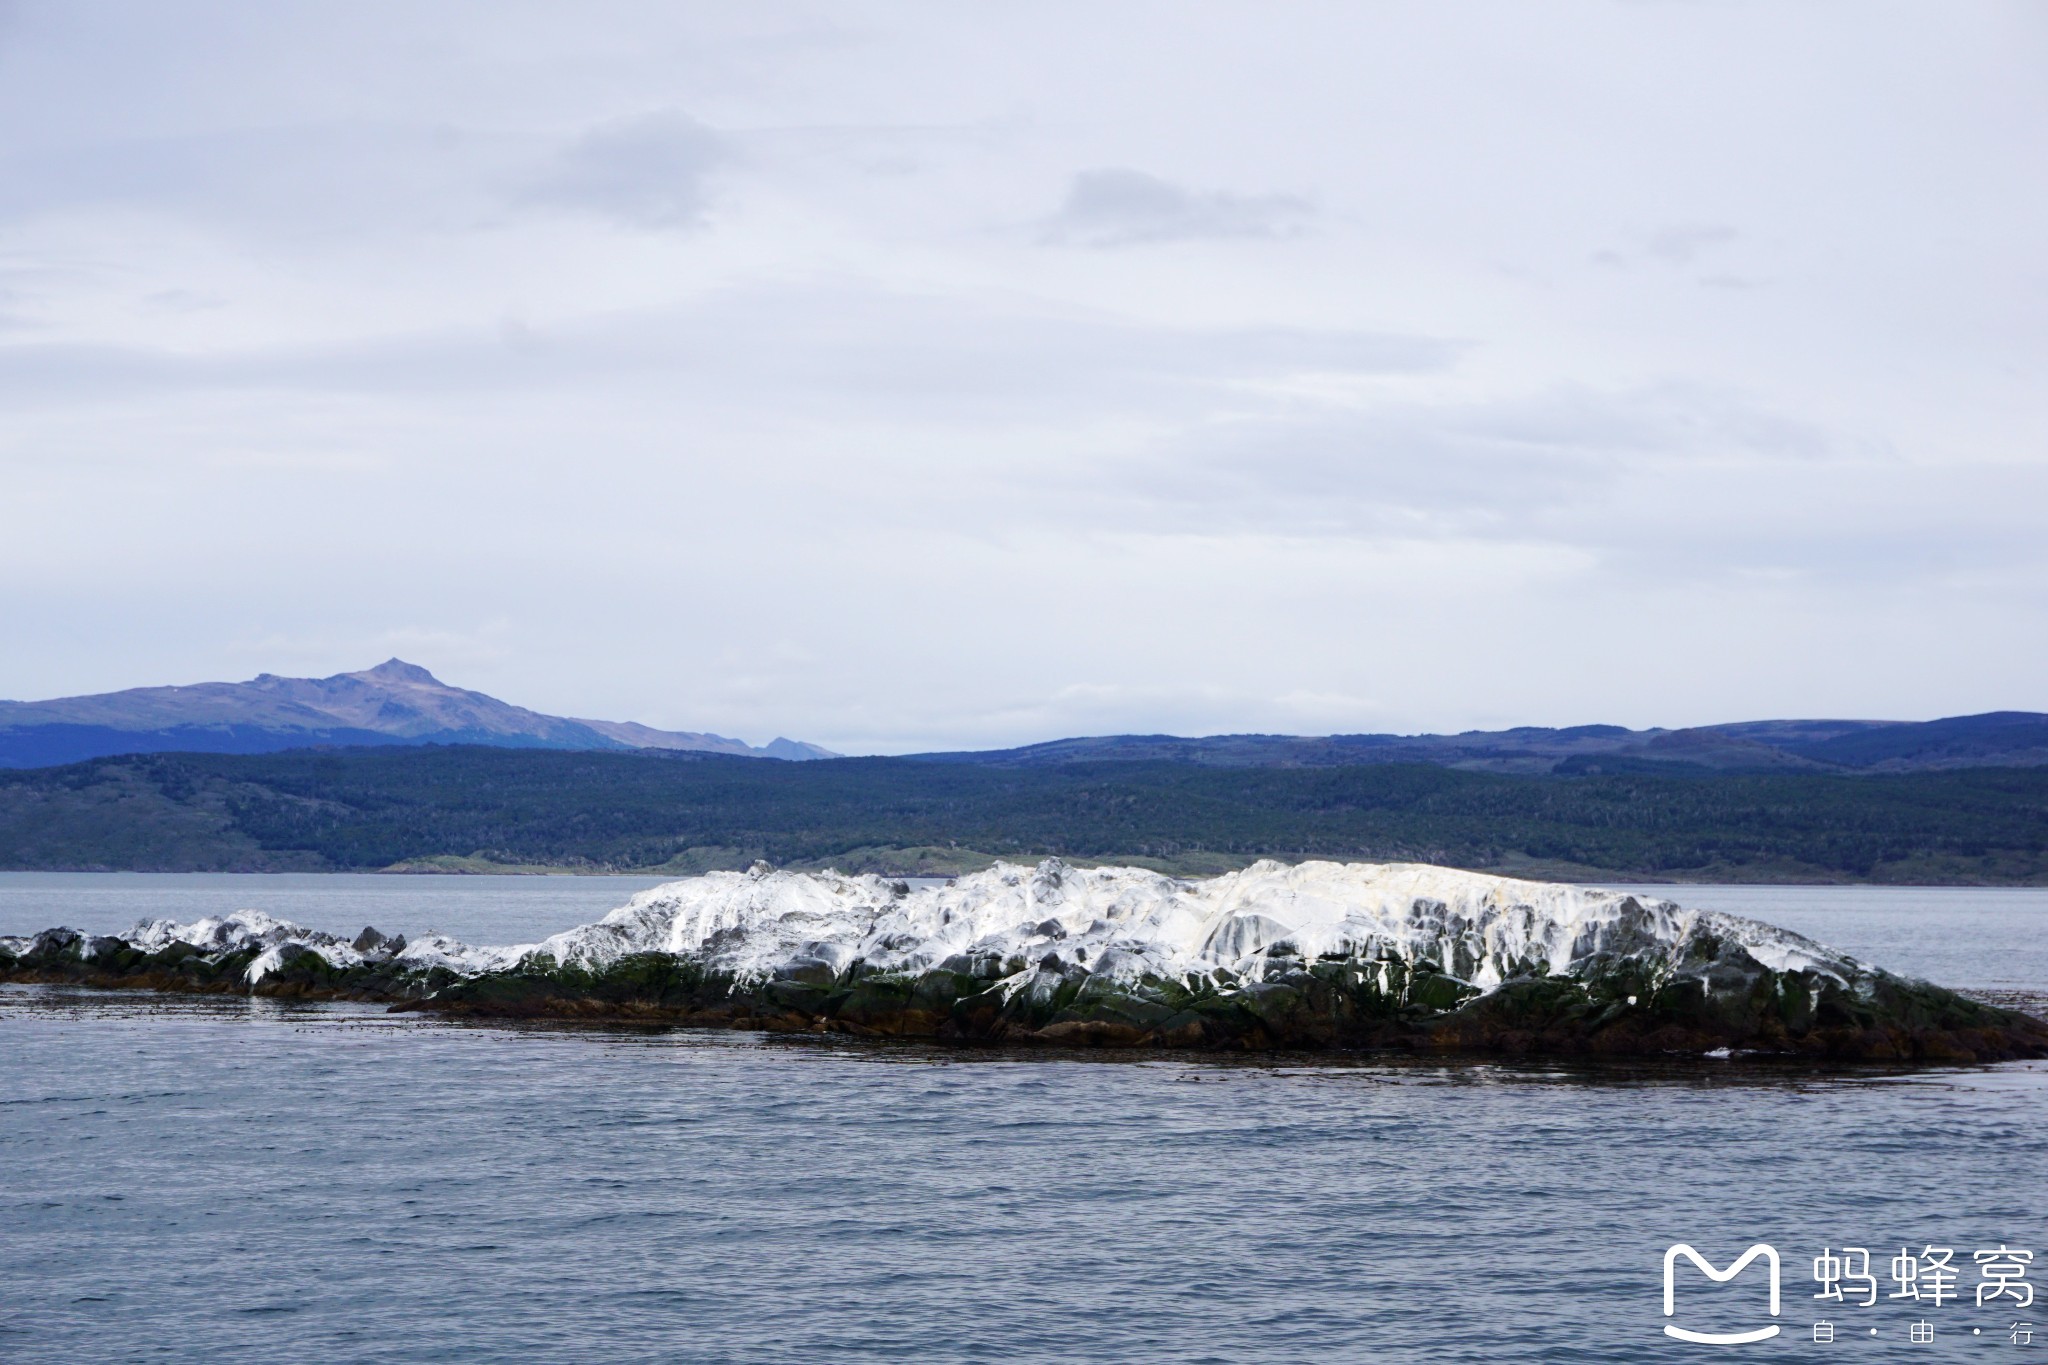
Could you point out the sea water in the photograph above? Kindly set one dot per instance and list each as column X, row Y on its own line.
column 194, row 1178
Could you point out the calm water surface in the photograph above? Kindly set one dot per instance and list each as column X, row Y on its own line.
column 474, row 909
column 198, row 1179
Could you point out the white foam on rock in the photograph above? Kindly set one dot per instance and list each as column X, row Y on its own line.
column 1118, row 923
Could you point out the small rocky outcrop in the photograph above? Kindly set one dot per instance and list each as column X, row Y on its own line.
column 1317, row 956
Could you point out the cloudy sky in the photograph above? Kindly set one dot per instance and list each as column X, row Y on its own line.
column 900, row 376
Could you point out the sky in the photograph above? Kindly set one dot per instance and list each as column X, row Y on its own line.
column 914, row 376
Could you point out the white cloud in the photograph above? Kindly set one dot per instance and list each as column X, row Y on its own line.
column 1676, row 245
column 1122, row 207
column 647, row 172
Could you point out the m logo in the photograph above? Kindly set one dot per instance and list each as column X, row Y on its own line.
column 1769, row 1254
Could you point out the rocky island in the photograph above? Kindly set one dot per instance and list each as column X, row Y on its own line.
column 1313, row 956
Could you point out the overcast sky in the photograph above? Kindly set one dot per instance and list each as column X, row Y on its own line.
column 906, row 376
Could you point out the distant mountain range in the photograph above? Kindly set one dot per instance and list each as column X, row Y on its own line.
column 1998, row 739
column 393, row 703
column 401, row 703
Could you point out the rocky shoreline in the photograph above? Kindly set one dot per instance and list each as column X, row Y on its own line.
column 1320, row 957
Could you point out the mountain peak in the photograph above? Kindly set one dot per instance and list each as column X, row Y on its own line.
column 393, row 703
column 395, row 669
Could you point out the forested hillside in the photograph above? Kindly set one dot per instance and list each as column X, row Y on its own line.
column 480, row 807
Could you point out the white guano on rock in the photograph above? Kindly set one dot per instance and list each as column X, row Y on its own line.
column 1116, row 923
column 1124, row 923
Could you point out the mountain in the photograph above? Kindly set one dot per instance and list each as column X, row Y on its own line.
column 1995, row 739
column 634, row 735
column 393, row 703
column 1999, row 739
column 401, row 703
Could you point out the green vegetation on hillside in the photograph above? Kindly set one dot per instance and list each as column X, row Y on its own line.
column 473, row 808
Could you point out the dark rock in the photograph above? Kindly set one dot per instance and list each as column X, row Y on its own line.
column 56, row 943
column 1710, row 994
